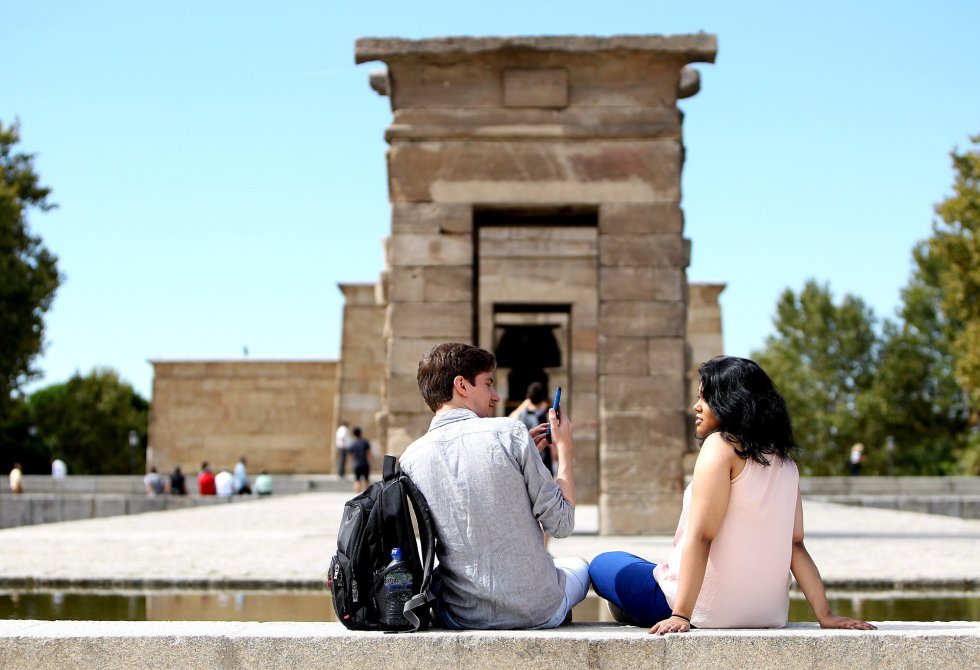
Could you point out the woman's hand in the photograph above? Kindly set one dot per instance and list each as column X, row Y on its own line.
column 674, row 624
column 832, row 621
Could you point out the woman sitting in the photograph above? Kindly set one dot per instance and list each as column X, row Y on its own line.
column 740, row 534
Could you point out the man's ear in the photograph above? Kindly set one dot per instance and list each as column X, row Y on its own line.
column 459, row 386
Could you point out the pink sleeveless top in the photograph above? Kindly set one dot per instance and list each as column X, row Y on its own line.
column 746, row 584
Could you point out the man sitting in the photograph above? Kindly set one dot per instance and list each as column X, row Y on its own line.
column 490, row 496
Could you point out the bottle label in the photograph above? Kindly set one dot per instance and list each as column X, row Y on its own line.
column 398, row 580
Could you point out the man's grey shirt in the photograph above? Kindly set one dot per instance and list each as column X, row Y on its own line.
column 488, row 491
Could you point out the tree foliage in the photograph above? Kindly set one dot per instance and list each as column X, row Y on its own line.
column 916, row 380
column 28, row 271
column 915, row 397
column 822, row 360
column 956, row 239
column 86, row 421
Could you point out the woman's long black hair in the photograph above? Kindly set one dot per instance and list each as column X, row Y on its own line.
column 752, row 414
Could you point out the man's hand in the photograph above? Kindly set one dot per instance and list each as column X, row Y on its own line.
column 561, row 427
column 561, row 436
column 540, row 436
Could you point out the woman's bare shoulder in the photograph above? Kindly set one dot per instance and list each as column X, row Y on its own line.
column 716, row 448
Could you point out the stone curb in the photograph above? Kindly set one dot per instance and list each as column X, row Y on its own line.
column 88, row 645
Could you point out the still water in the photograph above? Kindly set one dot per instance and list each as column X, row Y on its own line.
column 316, row 606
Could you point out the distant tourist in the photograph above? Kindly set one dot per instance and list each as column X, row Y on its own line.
column 178, row 486
column 857, row 456
column 16, row 479
column 59, row 471
column 532, row 412
column 740, row 533
column 360, row 451
column 241, row 478
column 154, row 483
column 263, row 484
column 224, row 484
column 205, row 481
column 342, row 441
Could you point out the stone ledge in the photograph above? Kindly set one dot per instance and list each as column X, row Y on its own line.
column 962, row 506
column 700, row 47
column 112, row 645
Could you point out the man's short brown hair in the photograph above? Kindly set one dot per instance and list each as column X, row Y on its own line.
column 439, row 367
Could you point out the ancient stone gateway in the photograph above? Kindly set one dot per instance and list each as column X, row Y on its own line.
column 535, row 192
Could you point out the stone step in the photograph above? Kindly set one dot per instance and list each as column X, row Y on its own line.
column 118, row 645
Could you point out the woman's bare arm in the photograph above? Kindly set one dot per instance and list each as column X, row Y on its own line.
column 710, row 492
column 808, row 577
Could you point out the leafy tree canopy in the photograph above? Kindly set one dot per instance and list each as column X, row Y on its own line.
column 911, row 385
column 86, row 421
column 956, row 240
column 28, row 271
column 915, row 398
column 822, row 359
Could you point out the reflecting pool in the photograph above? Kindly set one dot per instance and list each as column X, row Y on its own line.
column 316, row 606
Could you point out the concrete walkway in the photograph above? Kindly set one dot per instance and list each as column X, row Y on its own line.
column 287, row 541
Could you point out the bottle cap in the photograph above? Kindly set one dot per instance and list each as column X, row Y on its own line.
column 396, row 554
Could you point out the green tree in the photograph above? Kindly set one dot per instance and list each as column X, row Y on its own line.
column 822, row 359
column 86, row 421
column 28, row 275
column 915, row 397
column 956, row 240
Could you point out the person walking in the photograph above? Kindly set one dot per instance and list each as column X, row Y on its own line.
column 360, row 451
column 59, row 471
column 857, row 457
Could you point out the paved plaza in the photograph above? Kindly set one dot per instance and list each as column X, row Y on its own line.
column 288, row 540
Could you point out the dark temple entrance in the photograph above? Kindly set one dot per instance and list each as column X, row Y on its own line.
column 526, row 351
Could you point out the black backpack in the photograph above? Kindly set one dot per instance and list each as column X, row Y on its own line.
column 375, row 522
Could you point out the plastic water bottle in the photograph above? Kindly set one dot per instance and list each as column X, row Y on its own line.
column 395, row 592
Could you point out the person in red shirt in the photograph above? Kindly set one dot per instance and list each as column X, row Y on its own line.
column 205, row 481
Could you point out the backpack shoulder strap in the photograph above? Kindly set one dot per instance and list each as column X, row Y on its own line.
column 390, row 467
column 426, row 529
column 427, row 535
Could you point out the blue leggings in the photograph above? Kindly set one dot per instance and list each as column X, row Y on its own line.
column 627, row 581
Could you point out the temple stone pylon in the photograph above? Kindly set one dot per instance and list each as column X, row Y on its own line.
column 535, row 186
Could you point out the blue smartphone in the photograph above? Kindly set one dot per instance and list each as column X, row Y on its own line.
column 557, row 402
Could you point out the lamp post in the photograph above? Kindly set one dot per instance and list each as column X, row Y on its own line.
column 890, row 450
column 134, row 442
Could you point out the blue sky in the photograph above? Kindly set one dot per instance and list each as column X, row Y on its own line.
column 219, row 166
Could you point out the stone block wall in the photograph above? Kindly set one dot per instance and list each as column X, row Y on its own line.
column 361, row 368
column 532, row 127
column 549, row 267
column 704, row 341
column 278, row 414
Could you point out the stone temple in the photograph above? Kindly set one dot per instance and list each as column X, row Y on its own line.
column 535, row 187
